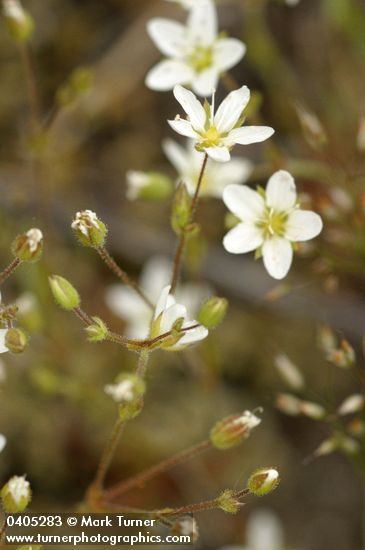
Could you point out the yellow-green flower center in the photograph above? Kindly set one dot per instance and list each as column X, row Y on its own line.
column 273, row 223
column 201, row 58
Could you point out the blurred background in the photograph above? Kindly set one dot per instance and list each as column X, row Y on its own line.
column 303, row 61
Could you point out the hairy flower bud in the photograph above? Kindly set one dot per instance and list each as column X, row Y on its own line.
column 232, row 430
column 89, row 230
column 148, row 185
column 98, row 331
column 186, row 526
column 16, row 340
column 212, row 313
column 64, row 293
column 16, row 494
column 263, row 481
column 228, row 502
column 127, row 392
column 28, row 246
column 180, row 209
column 18, row 21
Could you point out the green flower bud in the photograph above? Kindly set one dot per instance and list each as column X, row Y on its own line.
column 64, row 293
column 232, row 430
column 16, row 340
column 148, row 185
column 263, row 481
column 212, row 313
column 19, row 22
column 89, row 229
column 16, row 495
column 228, row 502
column 127, row 392
column 28, row 246
column 180, row 209
column 98, row 331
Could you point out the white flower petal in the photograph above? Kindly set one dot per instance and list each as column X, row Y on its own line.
column 280, row 191
column 249, row 134
column 277, row 255
column 163, row 300
column 192, row 107
column 3, row 347
column 303, row 225
column 125, row 303
column 219, row 154
column 184, row 128
column 236, row 171
column 156, row 274
column 170, row 315
column 243, row 238
column 202, row 23
column 166, row 74
column 231, row 109
column 228, row 52
column 205, row 83
column 193, row 335
column 176, row 154
column 245, row 203
column 2, row 442
column 169, row 36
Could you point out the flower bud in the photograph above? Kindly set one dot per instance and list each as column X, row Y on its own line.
column 98, row 331
column 228, row 502
column 148, row 185
column 180, row 209
column 19, row 22
column 352, row 404
column 16, row 340
column 342, row 357
column 89, row 230
column 212, row 313
column 327, row 447
column 288, row 404
column 186, row 526
column 312, row 410
column 233, row 429
column 312, row 128
column 28, row 246
column 289, row 372
column 263, row 481
column 16, row 495
column 64, row 293
column 127, row 392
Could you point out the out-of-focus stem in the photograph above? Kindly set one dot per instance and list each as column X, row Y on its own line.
column 148, row 474
column 31, row 83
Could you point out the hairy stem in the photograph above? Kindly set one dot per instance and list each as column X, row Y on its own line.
column 9, row 270
column 143, row 477
column 182, row 240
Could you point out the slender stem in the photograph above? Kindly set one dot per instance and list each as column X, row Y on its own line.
column 142, row 363
column 3, row 530
column 142, row 478
column 9, row 270
column 121, row 274
column 107, row 455
column 182, row 240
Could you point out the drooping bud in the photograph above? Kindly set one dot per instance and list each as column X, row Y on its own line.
column 180, row 216
column 2, row 442
column 289, row 372
column 148, row 185
column 228, row 502
column 232, row 430
column 16, row 494
column 213, row 312
column 16, row 340
column 64, row 293
column 288, row 404
column 89, row 230
column 18, row 21
column 127, row 392
column 312, row 410
column 263, row 481
column 28, row 246
column 98, row 331
column 186, row 526
column 352, row 404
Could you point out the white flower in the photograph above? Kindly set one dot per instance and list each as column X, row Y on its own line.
column 188, row 163
column 121, row 391
column 196, row 55
column 216, row 133
column 166, row 314
column 269, row 223
column 2, row 442
column 84, row 221
column 35, row 238
column 155, row 275
column 248, row 420
column 18, row 488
